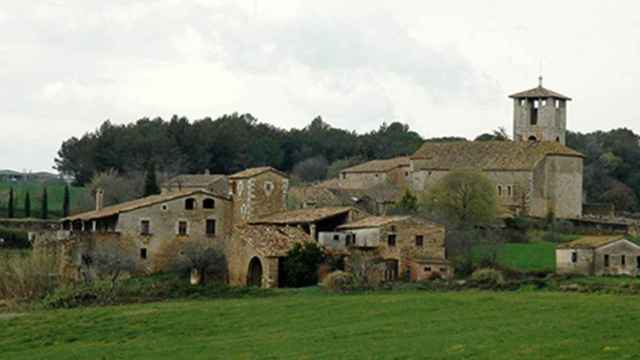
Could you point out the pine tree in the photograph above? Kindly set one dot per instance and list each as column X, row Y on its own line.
column 11, row 204
column 44, row 213
column 27, row 205
column 66, row 202
column 150, row 181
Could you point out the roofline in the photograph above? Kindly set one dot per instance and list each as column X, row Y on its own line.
column 259, row 222
column 561, row 97
column 374, row 171
column 268, row 168
column 168, row 198
column 568, row 246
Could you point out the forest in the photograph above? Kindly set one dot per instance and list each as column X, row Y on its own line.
column 237, row 141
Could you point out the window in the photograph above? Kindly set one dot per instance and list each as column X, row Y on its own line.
column 208, row 203
column 532, row 138
column 623, row 260
column 183, row 228
column 406, row 174
column 509, row 190
column 350, row 239
column 574, row 257
column 336, row 237
column 391, row 240
column 544, row 102
column 143, row 253
column 393, row 228
column 419, row 240
column 499, row 190
column 522, row 102
column 211, row 227
column 145, row 227
column 557, row 138
column 190, row 204
column 268, row 187
column 557, row 104
column 638, row 262
column 606, row 261
column 165, row 207
column 427, row 268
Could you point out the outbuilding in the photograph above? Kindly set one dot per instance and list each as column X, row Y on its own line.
column 599, row 255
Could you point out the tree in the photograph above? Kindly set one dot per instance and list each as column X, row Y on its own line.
column 312, row 169
column 44, row 210
column 66, row 202
column 301, row 265
column 463, row 198
column 109, row 260
column 203, row 259
column 11, row 206
column 27, row 205
column 408, row 204
column 333, row 171
column 150, row 180
column 498, row 135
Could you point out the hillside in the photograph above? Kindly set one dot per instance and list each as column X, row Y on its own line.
column 55, row 193
column 307, row 324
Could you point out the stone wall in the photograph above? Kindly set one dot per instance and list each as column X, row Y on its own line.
column 362, row 180
column 259, row 196
column 582, row 266
column 551, row 124
column 564, row 186
column 615, row 252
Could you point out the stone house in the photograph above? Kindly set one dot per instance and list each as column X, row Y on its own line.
column 599, row 255
column 394, row 171
column 531, row 178
column 145, row 226
column 213, row 183
column 412, row 248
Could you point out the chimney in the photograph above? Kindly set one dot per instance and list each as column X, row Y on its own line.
column 99, row 199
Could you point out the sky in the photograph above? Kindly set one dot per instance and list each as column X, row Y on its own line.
column 446, row 68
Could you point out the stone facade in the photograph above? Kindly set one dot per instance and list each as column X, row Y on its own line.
column 258, row 194
column 599, row 256
column 394, row 171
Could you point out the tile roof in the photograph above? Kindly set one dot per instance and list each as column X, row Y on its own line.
column 302, row 216
column 379, row 165
column 488, row 155
column 591, row 242
column 251, row 172
column 270, row 240
column 200, row 180
column 109, row 211
column 378, row 221
column 539, row 92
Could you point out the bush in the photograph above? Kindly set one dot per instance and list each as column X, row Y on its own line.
column 339, row 281
column 13, row 238
column 301, row 265
column 463, row 266
column 28, row 277
column 487, row 276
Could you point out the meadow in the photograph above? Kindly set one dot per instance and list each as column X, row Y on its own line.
column 304, row 324
column 55, row 196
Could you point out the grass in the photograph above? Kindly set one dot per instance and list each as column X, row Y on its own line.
column 55, row 194
column 537, row 256
column 308, row 324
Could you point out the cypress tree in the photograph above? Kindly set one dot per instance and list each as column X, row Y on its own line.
column 66, row 202
column 27, row 205
column 11, row 204
column 150, row 180
column 44, row 213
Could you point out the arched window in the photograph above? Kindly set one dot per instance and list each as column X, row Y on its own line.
column 190, row 204
column 532, row 138
column 499, row 190
column 208, row 203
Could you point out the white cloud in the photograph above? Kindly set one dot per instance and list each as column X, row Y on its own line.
column 445, row 68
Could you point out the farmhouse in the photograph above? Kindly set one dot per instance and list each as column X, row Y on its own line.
column 599, row 255
column 411, row 248
column 250, row 223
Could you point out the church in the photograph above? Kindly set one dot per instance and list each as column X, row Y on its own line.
column 535, row 174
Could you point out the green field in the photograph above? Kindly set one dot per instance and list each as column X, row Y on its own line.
column 55, row 194
column 537, row 256
column 309, row 324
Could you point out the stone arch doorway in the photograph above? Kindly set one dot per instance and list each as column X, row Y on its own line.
column 254, row 275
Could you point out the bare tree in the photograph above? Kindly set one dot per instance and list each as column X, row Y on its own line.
column 202, row 258
column 110, row 260
column 367, row 268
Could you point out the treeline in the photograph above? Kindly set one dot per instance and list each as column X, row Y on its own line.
column 612, row 166
column 225, row 145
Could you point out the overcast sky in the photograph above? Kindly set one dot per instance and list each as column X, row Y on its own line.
column 443, row 67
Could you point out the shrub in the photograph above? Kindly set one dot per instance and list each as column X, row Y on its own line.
column 463, row 266
column 301, row 265
column 28, row 277
column 339, row 281
column 487, row 276
column 14, row 238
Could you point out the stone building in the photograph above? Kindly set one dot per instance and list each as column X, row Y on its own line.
column 531, row 178
column 217, row 184
column 411, row 248
column 540, row 114
column 599, row 255
column 391, row 171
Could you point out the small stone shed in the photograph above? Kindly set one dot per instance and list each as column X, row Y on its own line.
column 599, row 255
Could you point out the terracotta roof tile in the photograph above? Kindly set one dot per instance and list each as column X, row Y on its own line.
column 137, row 204
column 539, row 92
column 270, row 240
column 251, row 172
column 378, row 221
column 302, row 216
column 488, row 155
column 379, row 165
column 591, row 242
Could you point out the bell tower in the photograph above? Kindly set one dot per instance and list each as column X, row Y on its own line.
column 540, row 114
